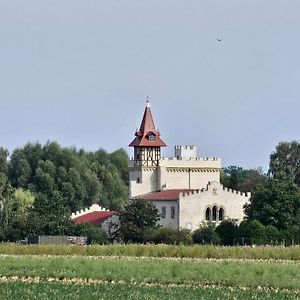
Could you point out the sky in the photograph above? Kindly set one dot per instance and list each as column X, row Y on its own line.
column 222, row 75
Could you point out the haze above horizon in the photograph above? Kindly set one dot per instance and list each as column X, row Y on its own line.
column 223, row 76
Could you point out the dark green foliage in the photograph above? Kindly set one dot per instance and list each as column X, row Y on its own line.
column 243, row 180
column 251, row 232
column 137, row 219
column 227, row 231
column 285, row 162
column 170, row 236
column 94, row 233
column 272, row 235
column 206, row 234
column 275, row 203
column 64, row 180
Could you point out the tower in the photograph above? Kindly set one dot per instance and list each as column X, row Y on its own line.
column 144, row 166
column 147, row 142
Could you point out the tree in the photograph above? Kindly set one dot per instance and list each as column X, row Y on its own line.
column 206, row 234
column 243, row 180
column 227, row 231
column 3, row 160
column 275, row 203
column 136, row 219
column 285, row 162
column 251, row 232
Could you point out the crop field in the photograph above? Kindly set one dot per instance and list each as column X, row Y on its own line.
column 68, row 272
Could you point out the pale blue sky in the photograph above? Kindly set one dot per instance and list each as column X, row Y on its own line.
column 79, row 72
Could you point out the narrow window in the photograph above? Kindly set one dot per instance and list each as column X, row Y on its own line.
column 214, row 213
column 221, row 214
column 208, row 214
column 172, row 212
column 163, row 212
column 138, row 180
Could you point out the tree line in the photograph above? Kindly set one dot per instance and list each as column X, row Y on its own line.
column 41, row 185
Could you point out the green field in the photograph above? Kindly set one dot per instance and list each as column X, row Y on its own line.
column 73, row 273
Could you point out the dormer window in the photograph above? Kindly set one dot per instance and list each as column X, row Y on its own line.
column 151, row 137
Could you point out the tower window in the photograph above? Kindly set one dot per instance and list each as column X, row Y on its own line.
column 151, row 137
column 138, row 180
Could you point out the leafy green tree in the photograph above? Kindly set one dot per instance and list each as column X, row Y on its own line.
column 206, row 234
column 272, row 235
column 285, row 162
column 138, row 217
column 227, row 231
column 120, row 159
column 243, row 180
column 251, row 232
column 3, row 160
column 275, row 203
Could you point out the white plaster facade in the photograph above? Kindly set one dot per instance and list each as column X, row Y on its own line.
column 173, row 173
column 191, row 209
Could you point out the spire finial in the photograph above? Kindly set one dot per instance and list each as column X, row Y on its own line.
column 148, row 104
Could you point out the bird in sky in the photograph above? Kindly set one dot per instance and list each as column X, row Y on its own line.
column 219, row 40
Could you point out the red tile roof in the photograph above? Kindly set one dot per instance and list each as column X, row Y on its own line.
column 96, row 217
column 147, row 128
column 165, row 195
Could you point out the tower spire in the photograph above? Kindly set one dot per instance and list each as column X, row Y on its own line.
column 147, row 141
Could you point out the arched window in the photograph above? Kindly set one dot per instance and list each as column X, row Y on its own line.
column 208, row 214
column 221, row 214
column 214, row 213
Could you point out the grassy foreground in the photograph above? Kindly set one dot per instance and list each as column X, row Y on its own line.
column 283, row 275
column 44, row 291
column 137, row 250
column 149, row 272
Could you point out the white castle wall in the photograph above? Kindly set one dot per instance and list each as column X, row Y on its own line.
column 168, row 221
column 143, row 181
column 192, row 207
column 173, row 173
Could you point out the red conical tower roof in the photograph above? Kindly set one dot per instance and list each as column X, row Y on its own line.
column 147, row 135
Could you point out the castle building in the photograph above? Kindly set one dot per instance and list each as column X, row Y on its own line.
column 186, row 188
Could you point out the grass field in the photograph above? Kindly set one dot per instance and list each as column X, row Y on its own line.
column 68, row 272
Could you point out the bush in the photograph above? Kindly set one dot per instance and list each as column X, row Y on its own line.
column 227, row 232
column 206, row 235
column 251, row 232
column 94, row 233
column 272, row 235
column 170, row 236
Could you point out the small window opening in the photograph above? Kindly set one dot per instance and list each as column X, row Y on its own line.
column 173, row 212
column 163, row 212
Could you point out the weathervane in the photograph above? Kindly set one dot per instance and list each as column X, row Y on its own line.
column 148, row 104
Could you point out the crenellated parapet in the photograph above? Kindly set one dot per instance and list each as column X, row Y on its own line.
column 93, row 208
column 203, row 190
